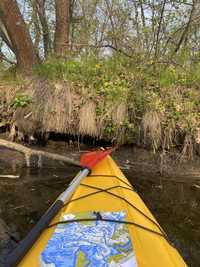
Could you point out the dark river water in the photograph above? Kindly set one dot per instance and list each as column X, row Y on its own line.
column 174, row 202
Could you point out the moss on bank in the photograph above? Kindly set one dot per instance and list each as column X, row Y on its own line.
column 118, row 99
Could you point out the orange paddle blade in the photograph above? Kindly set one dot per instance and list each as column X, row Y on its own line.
column 90, row 159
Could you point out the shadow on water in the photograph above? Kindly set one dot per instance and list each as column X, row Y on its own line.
column 22, row 202
column 176, row 205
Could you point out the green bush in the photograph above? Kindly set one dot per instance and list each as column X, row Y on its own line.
column 170, row 91
column 20, row 100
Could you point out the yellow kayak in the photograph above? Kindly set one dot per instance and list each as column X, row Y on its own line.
column 105, row 223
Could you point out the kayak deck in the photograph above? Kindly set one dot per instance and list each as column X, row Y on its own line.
column 107, row 189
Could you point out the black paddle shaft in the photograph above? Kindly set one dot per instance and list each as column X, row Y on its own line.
column 24, row 246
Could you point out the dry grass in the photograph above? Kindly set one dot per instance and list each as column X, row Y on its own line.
column 54, row 108
column 197, row 137
column 169, row 136
column 87, row 119
column 41, row 100
column 188, row 148
column 118, row 117
column 9, row 92
column 119, row 114
column 151, row 124
column 53, row 105
column 58, row 109
column 105, row 116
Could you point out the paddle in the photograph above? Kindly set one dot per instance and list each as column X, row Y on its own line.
column 88, row 161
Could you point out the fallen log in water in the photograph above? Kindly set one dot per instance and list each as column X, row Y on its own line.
column 29, row 152
column 9, row 176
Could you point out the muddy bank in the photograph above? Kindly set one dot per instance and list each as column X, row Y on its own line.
column 140, row 160
column 157, row 120
column 175, row 201
column 148, row 163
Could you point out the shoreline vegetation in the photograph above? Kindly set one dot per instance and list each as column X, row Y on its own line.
column 118, row 99
column 118, row 71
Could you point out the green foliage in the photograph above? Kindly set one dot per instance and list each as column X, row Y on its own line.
column 11, row 76
column 168, row 76
column 110, row 128
column 114, row 90
column 52, row 69
column 169, row 91
column 102, row 76
column 20, row 100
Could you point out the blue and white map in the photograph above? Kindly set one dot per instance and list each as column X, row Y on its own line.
column 90, row 243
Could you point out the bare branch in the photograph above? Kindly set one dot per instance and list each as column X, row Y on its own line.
column 159, row 28
column 185, row 32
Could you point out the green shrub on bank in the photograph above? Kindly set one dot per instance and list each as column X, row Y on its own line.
column 105, row 77
column 154, row 104
column 20, row 101
column 170, row 91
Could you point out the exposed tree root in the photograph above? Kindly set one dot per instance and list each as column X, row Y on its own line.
column 28, row 153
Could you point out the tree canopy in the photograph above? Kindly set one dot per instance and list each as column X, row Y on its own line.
column 147, row 29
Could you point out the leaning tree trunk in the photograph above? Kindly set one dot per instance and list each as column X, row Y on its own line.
column 61, row 44
column 20, row 38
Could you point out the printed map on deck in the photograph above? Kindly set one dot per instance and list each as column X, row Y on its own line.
column 90, row 243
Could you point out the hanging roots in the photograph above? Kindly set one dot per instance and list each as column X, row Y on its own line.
column 188, row 148
column 119, row 114
column 87, row 119
column 151, row 124
column 58, row 109
column 118, row 117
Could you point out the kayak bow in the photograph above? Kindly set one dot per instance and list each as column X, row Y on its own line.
column 116, row 220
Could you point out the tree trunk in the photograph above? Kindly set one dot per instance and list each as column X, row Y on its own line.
column 40, row 4
column 18, row 34
column 61, row 44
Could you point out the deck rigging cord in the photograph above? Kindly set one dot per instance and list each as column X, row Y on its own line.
column 106, row 220
column 107, row 190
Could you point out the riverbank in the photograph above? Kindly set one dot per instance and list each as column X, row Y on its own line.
column 116, row 100
column 174, row 200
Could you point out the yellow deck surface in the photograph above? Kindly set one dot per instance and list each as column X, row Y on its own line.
column 151, row 250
